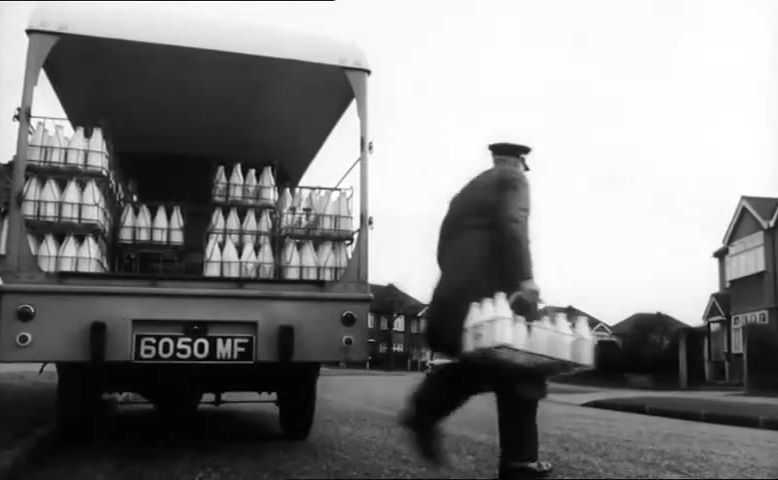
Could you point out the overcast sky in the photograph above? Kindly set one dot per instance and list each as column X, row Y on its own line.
column 648, row 120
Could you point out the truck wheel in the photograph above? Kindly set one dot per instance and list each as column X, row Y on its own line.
column 296, row 407
column 78, row 401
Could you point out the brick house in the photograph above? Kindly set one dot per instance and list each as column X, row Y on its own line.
column 395, row 329
column 748, row 287
column 662, row 326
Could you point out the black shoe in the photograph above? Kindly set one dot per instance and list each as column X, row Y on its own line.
column 426, row 437
column 522, row 470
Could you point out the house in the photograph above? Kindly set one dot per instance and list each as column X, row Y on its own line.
column 600, row 330
column 748, row 287
column 395, row 329
column 660, row 326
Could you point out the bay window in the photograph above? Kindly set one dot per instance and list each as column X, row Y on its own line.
column 739, row 322
column 746, row 257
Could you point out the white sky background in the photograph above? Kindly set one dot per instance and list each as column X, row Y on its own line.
column 648, row 121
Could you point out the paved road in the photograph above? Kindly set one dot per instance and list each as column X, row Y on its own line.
column 355, row 437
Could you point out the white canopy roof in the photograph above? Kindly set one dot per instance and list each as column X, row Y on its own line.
column 187, row 86
column 142, row 23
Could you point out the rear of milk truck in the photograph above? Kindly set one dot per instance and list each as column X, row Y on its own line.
column 158, row 239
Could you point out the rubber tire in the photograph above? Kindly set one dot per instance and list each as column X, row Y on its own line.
column 297, row 407
column 78, row 402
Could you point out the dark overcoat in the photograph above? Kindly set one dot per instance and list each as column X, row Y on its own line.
column 483, row 248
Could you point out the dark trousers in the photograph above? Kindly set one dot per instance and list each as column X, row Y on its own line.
column 449, row 386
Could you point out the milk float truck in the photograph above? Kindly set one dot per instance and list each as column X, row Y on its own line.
column 164, row 108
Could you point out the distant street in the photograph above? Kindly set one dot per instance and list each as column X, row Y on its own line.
column 356, row 437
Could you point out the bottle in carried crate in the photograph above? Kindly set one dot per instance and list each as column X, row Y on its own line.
column 584, row 343
column 563, row 338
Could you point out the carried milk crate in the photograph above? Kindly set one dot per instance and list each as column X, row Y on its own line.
column 494, row 335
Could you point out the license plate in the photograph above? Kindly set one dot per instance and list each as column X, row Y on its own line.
column 197, row 349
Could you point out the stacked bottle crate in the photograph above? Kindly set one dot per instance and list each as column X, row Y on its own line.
column 69, row 197
column 240, row 240
column 302, row 234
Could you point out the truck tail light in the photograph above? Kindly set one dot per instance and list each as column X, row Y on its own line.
column 348, row 319
column 25, row 312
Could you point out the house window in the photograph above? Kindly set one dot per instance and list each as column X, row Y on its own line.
column 414, row 325
column 370, row 321
column 382, row 348
column 397, row 348
column 399, row 324
column 746, row 257
column 737, row 333
column 384, row 323
column 423, row 325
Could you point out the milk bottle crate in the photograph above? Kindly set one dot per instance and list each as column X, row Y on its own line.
column 70, row 264
column 254, row 271
column 508, row 356
column 159, row 238
column 309, row 217
column 495, row 336
column 58, row 216
column 224, row 193
column 238, row 235
column 258, row 200
column 43, row 158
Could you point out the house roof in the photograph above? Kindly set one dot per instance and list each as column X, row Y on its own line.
column 765, row 207
column 764, row 210
column 630, row 324
column 718, row 306
column 572, row 313
column 389, row 299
